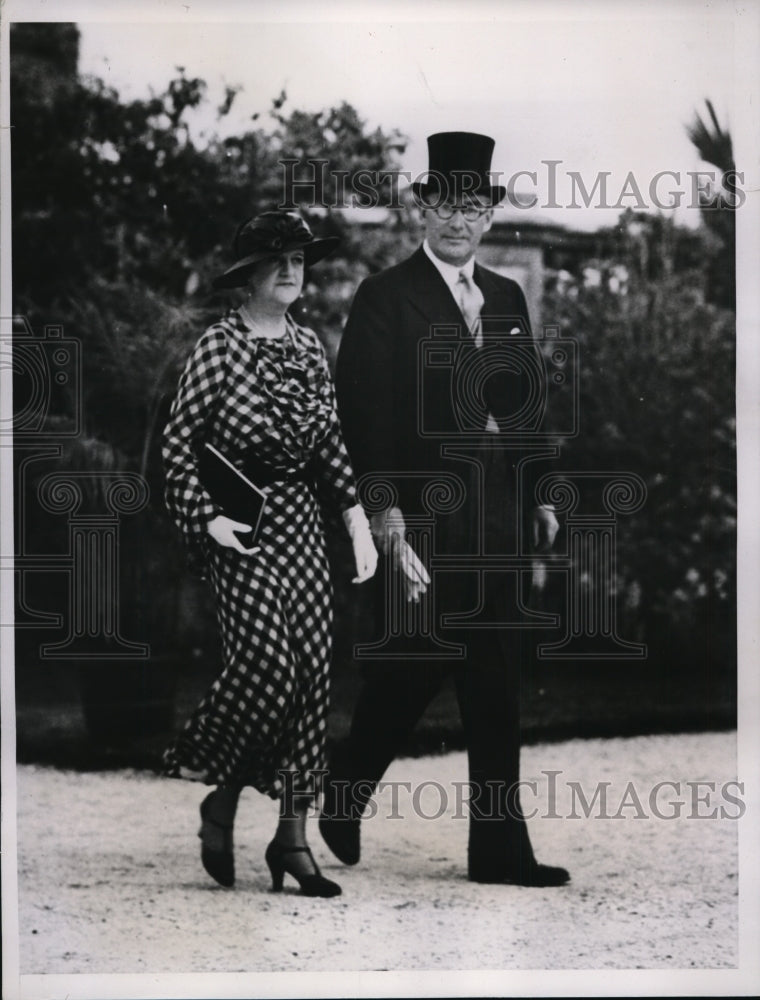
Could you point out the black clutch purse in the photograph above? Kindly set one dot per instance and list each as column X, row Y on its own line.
column 238, row 496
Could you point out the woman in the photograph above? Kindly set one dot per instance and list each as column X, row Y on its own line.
column 257, row 388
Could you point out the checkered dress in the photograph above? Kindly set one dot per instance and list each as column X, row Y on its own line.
column 267, row 711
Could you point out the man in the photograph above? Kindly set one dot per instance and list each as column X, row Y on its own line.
column 410, row 416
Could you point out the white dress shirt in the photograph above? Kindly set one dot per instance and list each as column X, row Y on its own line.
column 450, row 274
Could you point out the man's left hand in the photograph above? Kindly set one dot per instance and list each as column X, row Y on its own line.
column 544, row 528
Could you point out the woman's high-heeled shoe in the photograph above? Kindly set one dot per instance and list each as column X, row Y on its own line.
column 220, row 864
column 313, row 884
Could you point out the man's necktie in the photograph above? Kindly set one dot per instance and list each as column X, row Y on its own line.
column 471, row 302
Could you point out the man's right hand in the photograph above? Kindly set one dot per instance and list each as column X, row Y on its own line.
column 389, row 530
column 222, row 529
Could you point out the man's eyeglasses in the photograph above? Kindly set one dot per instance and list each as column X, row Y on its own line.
column 470, row 212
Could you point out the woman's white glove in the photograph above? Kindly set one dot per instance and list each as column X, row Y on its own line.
column 222, row 529
column 365, row 553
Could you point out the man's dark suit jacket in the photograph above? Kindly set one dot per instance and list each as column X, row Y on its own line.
column 384, row 396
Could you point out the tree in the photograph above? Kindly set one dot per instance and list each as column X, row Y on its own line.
column 657, row 398
column 118, row 234
column 714, row 145
column 120, row 220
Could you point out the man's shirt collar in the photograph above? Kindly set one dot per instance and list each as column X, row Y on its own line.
column 449, row 272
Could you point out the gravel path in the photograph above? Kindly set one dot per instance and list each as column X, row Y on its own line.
column 110, row 879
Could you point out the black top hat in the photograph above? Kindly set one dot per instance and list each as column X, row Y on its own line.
column 269, row 235
column 459, row 164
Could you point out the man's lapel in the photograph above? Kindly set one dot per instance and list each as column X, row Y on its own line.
column 493, row 291
column 500, row 310
column 428, row 293
column 431, row 297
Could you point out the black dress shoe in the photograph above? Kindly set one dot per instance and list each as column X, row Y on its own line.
column 219, row 863
column 342, row 836
column 536, row 875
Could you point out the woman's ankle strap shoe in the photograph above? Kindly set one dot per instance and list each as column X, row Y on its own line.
column 312, row 884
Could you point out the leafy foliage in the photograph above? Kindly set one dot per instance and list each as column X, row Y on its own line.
column 657, row 399
column 121, row 218
column 714, row 145
column 118, row 234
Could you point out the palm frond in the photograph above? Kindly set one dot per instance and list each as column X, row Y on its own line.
column 712, row 142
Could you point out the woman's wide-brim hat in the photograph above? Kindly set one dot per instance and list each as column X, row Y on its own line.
column 459, row 164
column 269, row 235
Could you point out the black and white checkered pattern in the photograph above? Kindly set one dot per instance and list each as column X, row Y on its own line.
column 267, row 711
